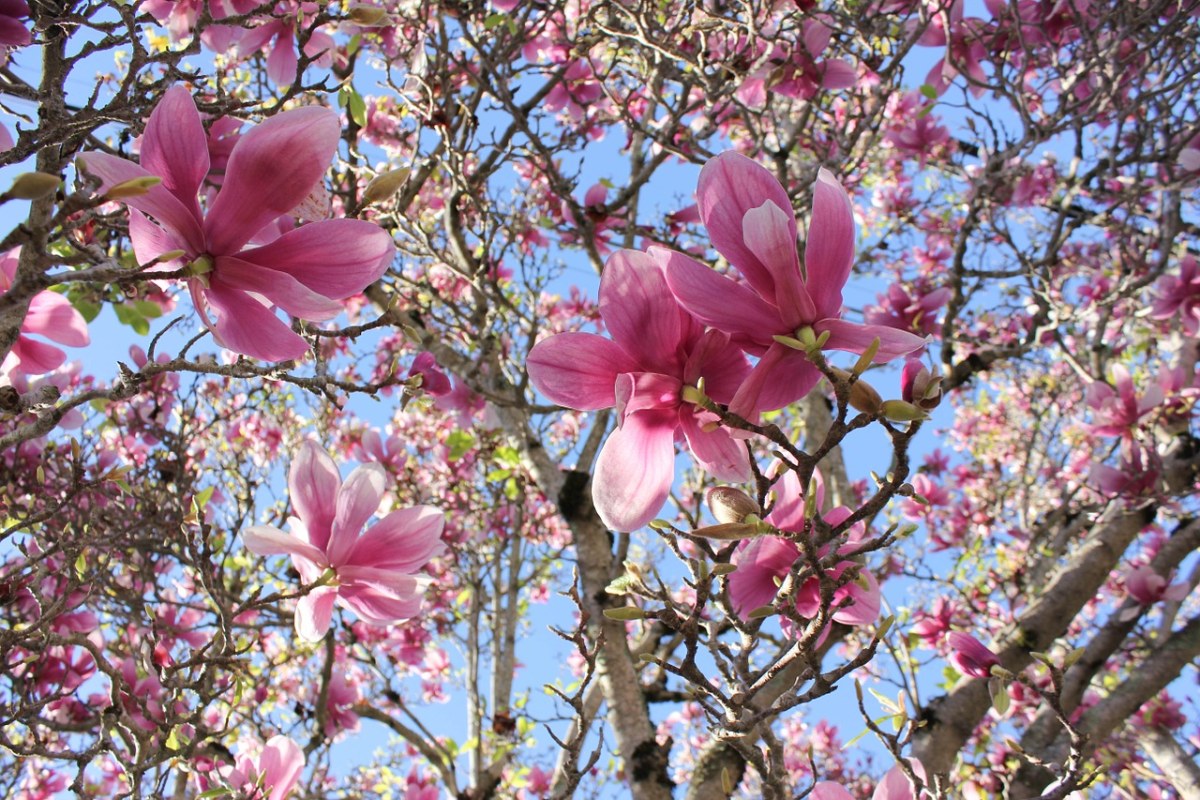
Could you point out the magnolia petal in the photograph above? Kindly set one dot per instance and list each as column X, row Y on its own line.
column 854, row 338
column 578, row 370
column 788, row 511
column 378, row 606
column 894, row 785
column 357, row 501
column 767, row 234
column 244, row 325
column 336, row 258
column 781, row 377
column 716, row 451
column 313, row 482
column 828, row 790
column 150, row 240
column 404, row 541
column 314, row 612
column 641, row 314
column 281, row 763
column 282, row 61
column 730, row 185
column 641, row 391
column 722, row 364
column 759, row 565
column 264, row 540
column 271, row 169
column 279, row 287
column 720, row 301
column 52, row 315
column 829, row 248
column 635, row 469
column 36, row 358
column 175, row 147
column 157, row 201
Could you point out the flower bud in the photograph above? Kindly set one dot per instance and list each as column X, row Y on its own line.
column 730, row 505
column 863, row 396
column 919, row 387
column 970, row 656
column 32, row 185
column 133, row 187
column 366, row 15
column 901, row 411
column 384, row 185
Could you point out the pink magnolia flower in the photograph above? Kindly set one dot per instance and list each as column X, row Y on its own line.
column 1117, row 411
column 270, row 776
column 433, row 381
column 767, row 560
column 899, row 309
column 749, row 217
column 1147, row 587
column 272, row 170
column 50, row 315
column 277, row 36
column 970, row 656
column 894, row 785
column 657, row 352
column 373, row 575
column 1180, row 295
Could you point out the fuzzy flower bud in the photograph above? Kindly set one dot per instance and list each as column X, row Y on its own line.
column 863, row 396
column 730, row 505
column 32, row 185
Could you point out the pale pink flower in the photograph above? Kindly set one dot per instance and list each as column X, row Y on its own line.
column 749, row 217
column 270, row 776
column 1116, row 412
column 657, row 351
column 373, row 574
column 894, row 785
column 970, row 656
column 50, row 315
column 272, row 170
column 1180, row 295
column 1148, row 587
column 767, row 560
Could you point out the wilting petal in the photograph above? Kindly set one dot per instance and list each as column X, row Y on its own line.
column 336, row 257
column 246, row 326
column 829, row 248
column 264, row 540
column 271, row 169
column 357, row 501
column 730, row 185
column 578, row 370
column 52, row 315
column 719, row 301
column 313, row 482
column 158, row 201
column 403, row 541
column 716, row 451
column 175, row 148
column 641, row 314
column 279, row 287
column 759, row 565
column 854, row 338
column 771, row 235
column 314, row 612
column 781, row 377
column 635, row 469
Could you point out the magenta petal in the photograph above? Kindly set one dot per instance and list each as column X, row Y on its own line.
column 271, row 169
column 828, row 790
column 246, row 326
column 722, row 365
column 771, row 235
column 730, row 185
column 282, row 61
column 279, row 287
column 894, row 785
column 37, row 358
column 837, row 74
column 379, row 606
column 280, row 764
column 578, row 370
column 854, row 338
column 719, row 301
column 150, row 240
column 336, row 258
column 759, row 564
column 264, row 540
column 781, row 377
column 175, row 148
column 313, row 482
column 158, row 202
column 718, row 453
column 788, row 511
column 635, row 469
column 52, row 315
column 867, row 600
column 357, row 501
column 829, row 249
column 314, row 612
column 404, row 541
column 641, row 314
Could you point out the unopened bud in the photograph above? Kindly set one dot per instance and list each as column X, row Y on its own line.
column 134, row 187
column 625, row 613
column 32, row 185
column 728, row 504
column 728, row 531
column 900, row 411
column 384, row 185
column 863, row 396
column 366, row 15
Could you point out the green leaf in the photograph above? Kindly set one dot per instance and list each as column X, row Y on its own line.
column 357, row 108
column 494, row 19
column 80, row 565
column 929, row 91
column 86, row 308
column 147, row 309
column 458, row 443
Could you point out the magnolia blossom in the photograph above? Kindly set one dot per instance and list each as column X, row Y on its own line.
column 749, row 217
column 648, row 371
column 373, row 574
column 894, row 785
column 970, row 656
column 1148, row 587
column 50, row 315
column 766, row 561
column 272, row 775
column 241, row 264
